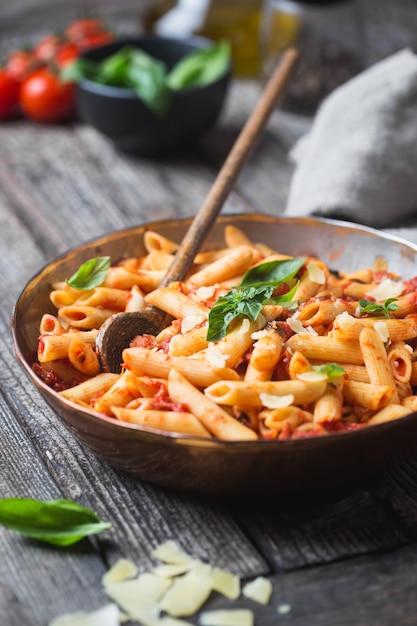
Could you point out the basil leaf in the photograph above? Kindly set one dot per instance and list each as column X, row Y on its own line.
column 59, row 522
column 114, row 69
column 366, row 306
column 200, row 67
column 90, row 274
column 237, row 303
column 272, row 272
column 79, row 70
column 147, row 77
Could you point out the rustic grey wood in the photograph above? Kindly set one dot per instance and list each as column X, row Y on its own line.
column 346, row 557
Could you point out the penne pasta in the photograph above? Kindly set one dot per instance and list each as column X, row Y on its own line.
column 289, row 351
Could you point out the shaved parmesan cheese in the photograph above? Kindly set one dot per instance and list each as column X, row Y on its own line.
column 215, row 357
column 386, row 289
column 259, row 590
column 311, row 376
column 205, row 293
column 188, row 593
column 170, row 571
column 139, row 597
column 231, row 617
column 344, row 321
column 270, row 401
column 245, row 325
column 189, row 322
column 297, row 327
column 409, row 348
column 316, row 274
column 170, row 552
column 382, row 330
column 106, row 616
column 259, row 334
column 226, row 583
column 121, row 570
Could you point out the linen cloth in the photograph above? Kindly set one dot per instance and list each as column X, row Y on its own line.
column 359, row 160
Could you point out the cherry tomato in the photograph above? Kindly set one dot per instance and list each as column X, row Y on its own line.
column 46, row 98
column 66, row 53
column 93, row 41
column 83, row 27
column 19, row 64
column 46, row 48
column 9, row 94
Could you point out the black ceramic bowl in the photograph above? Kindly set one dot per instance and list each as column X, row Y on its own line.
column 119, row 113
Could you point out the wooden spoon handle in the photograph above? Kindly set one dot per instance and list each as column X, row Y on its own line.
column 230, row 170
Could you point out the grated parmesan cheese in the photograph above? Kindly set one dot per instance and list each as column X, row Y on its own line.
column 139, row 597
column 345, row 321
column 271, row 401
column 121, row 570
column 316, row 274
column 386, row 289
column 225, row 583
column 170, row 552
column 190, row 322
column 382, row 330
column 231, row 617
column 215, row 357
column 259, row 590
column 297, row 327
column 311, row 376
column 170, row 571
column 106, row 616
column 205, row 293
column 188, row 593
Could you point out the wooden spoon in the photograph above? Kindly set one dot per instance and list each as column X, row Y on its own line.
column 118, row 331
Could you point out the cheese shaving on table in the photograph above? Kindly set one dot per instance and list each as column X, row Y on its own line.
column 170, row 552
column 179, row 587
column 230, row 617
column 225, row 583
column 121, row 570
column 259, row 590
column 108, row 615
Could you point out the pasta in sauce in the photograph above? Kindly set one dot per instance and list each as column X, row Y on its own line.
column 317, row 363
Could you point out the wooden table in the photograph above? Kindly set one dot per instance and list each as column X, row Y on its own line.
column 348, row 557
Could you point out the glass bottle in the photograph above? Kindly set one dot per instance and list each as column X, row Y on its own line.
column 329, row 35
column 238, row 21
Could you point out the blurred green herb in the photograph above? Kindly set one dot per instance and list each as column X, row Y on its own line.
column 248, row 298
column 389, row 306
column 149, row 77
column 59, row 522
column 201, row 67
column 90, row 274
column 332, row 370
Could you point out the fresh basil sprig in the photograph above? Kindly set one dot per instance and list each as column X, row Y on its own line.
column 90, row 274
column 390, row 305
column 59, row 522
column 149, row 77
column 248, row 298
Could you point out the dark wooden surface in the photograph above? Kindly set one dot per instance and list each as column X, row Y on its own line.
column 346, row 557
